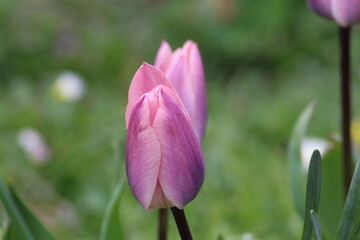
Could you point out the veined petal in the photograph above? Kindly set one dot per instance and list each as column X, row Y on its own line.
column 322, row 7
column 163, row 56
column 346, row 12
column 196, row 71
column 182, row 165
column 146, row 79
column 143, row 153
column 159, row 199
column 187, row 76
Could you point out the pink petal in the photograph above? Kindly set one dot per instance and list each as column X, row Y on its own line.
column 186, row 74
column 196, row 70
column 321, row 7
column 159, row 199
column 146, row 79
column 143, row 153
column 346, row 12
column 182, row 164
column 163, row 56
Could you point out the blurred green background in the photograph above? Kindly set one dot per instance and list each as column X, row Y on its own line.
column 264, row 62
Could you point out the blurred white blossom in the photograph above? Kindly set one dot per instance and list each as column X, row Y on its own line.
column 66, row 213
column 69, row 87
column 308, row 146
column 243, row 236
column 247, row 236
column 34, row 145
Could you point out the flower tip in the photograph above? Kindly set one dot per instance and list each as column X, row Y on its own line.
column 145, row 64
column 190, row 44
column 164, row 43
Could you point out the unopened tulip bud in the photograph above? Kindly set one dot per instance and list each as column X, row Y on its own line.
column 164, row 161
column 344, row 12
column 185, row 71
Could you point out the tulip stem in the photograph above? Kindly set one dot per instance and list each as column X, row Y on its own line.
column 163, row 217
column 181, row 222
column 344, row 35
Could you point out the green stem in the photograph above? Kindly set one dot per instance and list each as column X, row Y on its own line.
column 181, row 222
column 163, row 217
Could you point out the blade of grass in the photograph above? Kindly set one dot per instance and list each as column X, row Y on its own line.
column 296, row 174
column 111, row 227
column 24, row 224
column 17, row 220
column 351, row 214
column 332, row 188
column 312, row 193
column 10, row 233
column 316, row 225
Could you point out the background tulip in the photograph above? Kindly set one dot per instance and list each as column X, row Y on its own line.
column 184, row 69
column 164, row 162
column 344, row 12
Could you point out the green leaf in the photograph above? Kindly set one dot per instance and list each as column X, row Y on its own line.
column 10, row 234
column 312, row 193
column 350, row 217
column 111, row 227
column 24, row 225
column 332, row 195
column 316, row 225
column 296, row 173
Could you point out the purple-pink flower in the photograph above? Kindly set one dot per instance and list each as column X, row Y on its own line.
column 344, row 12
column 185, row 71
column 164, row 161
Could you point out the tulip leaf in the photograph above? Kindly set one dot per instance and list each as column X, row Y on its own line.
column 312, row 193
column 316, row 225
column 10, row 233
column 350, row 217
column 332, row 191
column 296, row 173
column 24, row 225
column 111, row 227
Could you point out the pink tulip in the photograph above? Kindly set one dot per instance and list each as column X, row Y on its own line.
column 185, row 71
column 164, row 162
column 344, row 12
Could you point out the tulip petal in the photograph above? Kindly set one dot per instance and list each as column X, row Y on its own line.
column 196, row 69
column 346, row 12
column 146, row 79
column 163, row 56
column 187, row 76
column 182, row 163
column 321, row 7
column 143, row 153
column 159, row 199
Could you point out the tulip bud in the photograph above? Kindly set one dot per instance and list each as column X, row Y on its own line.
column 344, row 12
column 164, row 161
column 184, row 69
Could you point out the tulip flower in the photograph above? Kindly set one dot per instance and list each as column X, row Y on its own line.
column 185, row 71
column 344, row 12
column 164, row 161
